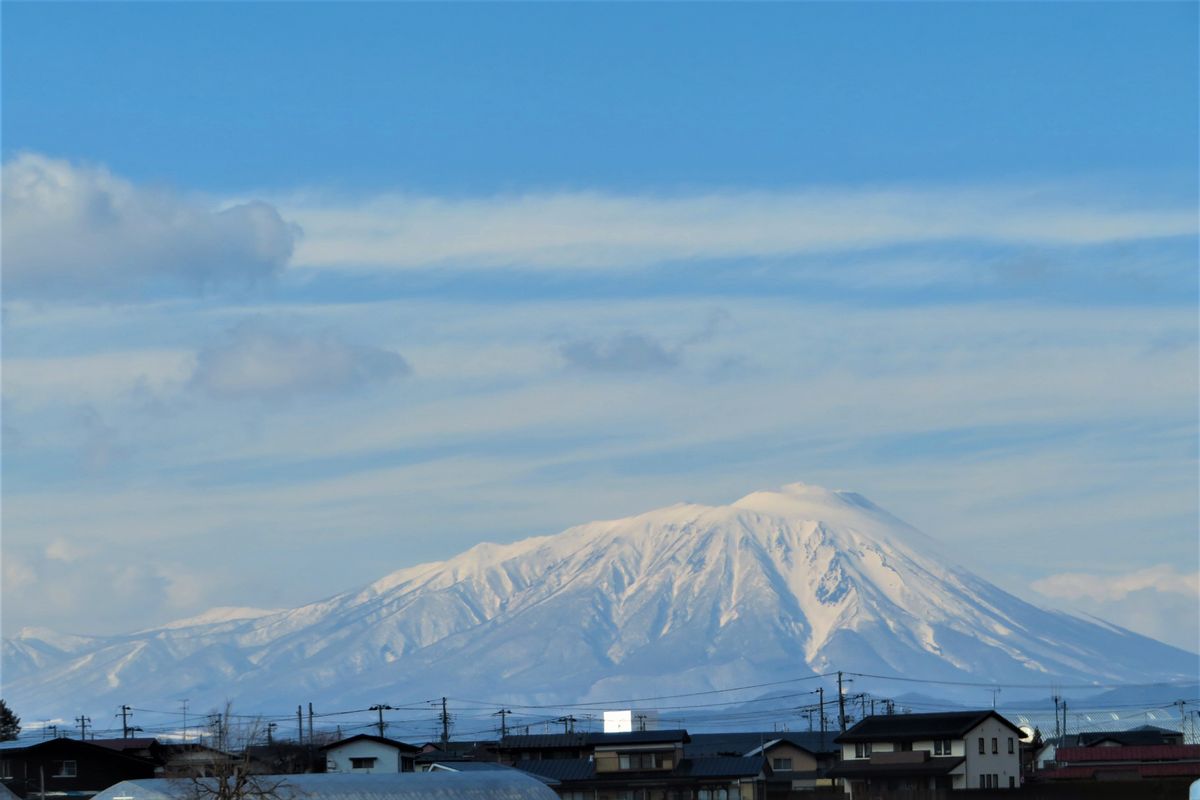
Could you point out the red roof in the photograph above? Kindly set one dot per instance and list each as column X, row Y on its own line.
column 1160, row 752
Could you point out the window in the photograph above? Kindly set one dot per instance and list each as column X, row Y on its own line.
column 1012, row 782
column 1010, row 745
column 5, row 769
column 781, row 763
column 995, row 781
column 903, row 747
column 362, row 763
column 644, row 761
column 63, row 769
column 995, row 745
column 942, row 748
column 982, row 779
column 981, row 750
column 862, row 749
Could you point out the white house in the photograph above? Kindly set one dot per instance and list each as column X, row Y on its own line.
column 956, row 750
column 369, row 754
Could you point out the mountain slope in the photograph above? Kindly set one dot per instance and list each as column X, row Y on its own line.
column 689, row 597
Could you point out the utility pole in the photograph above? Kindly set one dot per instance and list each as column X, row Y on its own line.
column 503, row 715
column 995, row 692
column 184, row 703
column 841, row 703
column 862, row 704
column 381, row 709
column 641, row 718
column 83, row 723
column 1064, row 705
column 271, row 726
column 821, row 695
column 124, row 721
column 445, row 723
column 1057, row 729
column 568, row 723
column 310, row 725
column 300, row 724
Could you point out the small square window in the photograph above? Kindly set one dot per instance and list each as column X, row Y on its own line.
column 64, row 769
column 362, row 763
column 781, row 763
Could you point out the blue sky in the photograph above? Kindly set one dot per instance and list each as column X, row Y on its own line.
column 358, row 286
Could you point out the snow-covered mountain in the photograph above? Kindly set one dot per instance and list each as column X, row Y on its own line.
column 774, row 586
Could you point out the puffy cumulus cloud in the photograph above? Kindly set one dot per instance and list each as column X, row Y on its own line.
column 254, row 361
column 1106, row 588
column 75, row 230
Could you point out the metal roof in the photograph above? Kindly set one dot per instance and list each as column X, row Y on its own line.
column 491, row 785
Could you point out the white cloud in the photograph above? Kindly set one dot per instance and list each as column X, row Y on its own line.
column 1162, row 578
column 594, row 230
column 254, row 361
column 76, row 230
column 1159, row 601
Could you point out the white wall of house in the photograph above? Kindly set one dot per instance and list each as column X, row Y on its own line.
column 1001, row 763
column 339, row 758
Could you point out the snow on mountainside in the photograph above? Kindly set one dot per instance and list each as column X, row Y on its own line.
column 689, row 597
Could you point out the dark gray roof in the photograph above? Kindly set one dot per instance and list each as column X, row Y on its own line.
column 366, row 737
column 741, row 744
column 490, row 785
column 560, row 769
column 548, row 741
column 1137, row 737
column 909, row 727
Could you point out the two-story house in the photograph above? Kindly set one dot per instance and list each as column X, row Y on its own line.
column 637, row 765
column 953, row 750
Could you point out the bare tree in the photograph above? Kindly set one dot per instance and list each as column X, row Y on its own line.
column 225, row 769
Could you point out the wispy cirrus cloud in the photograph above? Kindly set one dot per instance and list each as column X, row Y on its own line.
column 76, row 231
column 590, row 230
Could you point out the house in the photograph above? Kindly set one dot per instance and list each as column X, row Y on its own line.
column 490, row 785
column 66, row 768
column 799, row 761
column 369, row 754
column 1124, row 763
column 636, row 764
column 952, row 750
column 1142, row 736
column 482, row 751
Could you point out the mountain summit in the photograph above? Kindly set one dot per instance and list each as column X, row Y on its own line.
column 774, row 586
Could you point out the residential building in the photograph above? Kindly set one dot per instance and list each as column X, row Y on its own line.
column 66, row 768
column 369, row 755
column 954, row 750
column 638, row 765
column 1124, row 763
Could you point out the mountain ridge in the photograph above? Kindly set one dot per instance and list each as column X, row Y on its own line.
column 684, row 597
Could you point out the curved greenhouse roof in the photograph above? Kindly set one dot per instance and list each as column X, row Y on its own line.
column 490, row 785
